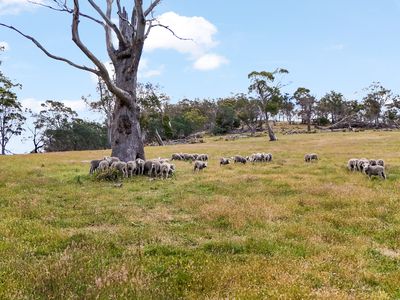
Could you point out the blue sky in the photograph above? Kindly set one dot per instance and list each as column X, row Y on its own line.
column 326, row 45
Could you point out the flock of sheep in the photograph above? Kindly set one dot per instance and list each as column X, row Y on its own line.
column 370, row 167
column 163, row 168
column 155, row 167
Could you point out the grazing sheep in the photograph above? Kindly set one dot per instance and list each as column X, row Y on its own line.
column 162, row 160
column 362, row 163
column 239, row 159
column 111, row 159
column 372, row 162
column 375, row 171
column 120, row 166
column 352, row 164
column 167, row 170
column 199, row 165
column 268, row 156
column 202, row 157
column 310, row 157
column 176, row 156
column 94, row 164
column 224, row 161
column 139, row 166
column 103, row 165
column 152, row 168
column 380, row 162
column 132, row 166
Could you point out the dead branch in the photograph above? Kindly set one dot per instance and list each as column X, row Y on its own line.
column 82, row 67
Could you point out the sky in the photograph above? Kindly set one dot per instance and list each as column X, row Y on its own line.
column 341, row 45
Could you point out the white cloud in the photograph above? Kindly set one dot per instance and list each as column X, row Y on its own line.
column 197, row 32
column 4, row 45
column 197, row 29
column 13, row 7
column 209, row 62
column 146, row 72
column 336, row 47
column 34, row 104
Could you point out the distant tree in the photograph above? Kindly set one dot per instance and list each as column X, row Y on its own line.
column 153, row 118
column 76, row 135
column 226, row 119
column 11, row 113
column 247, row 111
column 306, row 103
column 287, row 107
column 266, row 87
column 36, row 134
column 375, row 100
column 334, row 105
column 104, row 105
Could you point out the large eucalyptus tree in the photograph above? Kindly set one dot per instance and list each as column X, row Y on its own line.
column 131, row 31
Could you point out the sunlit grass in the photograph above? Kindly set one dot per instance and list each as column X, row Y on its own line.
column 285, row 228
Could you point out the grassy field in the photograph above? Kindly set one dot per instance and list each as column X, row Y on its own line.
column 284, row 229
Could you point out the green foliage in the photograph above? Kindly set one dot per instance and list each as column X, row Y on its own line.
column 76, row 135
column 11, row 113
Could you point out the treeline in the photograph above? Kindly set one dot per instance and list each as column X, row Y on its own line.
column 59, row 128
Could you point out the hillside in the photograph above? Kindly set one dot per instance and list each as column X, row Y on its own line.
column 284, row 228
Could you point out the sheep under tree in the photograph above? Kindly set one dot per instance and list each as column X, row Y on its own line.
column 131, row 32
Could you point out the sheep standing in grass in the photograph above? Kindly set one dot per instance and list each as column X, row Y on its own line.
column 352, row 164
column 224, row 161
column 380, row 162
column 199, row 165
column 94, row 165
column 152, row 168
column 176, row 156
column 111, row 159
column 362, row 163
column 202, row 157
column 239, row 159
column 375, row 171
column 310, row 157
column 131, row 167
column 139, row 166
column 268, row 157
column 120, row 166
column 167, row 170
column 103, row 165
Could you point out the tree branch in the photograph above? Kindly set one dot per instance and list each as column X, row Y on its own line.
column 151, row 7
column 109, row 44
column 169, row 29
column 65, row 8
column 108, row 20
column 82, row 67
column 102, row 71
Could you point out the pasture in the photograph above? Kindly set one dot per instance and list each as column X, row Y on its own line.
column 284, row 229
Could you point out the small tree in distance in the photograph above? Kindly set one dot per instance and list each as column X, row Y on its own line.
column 268, row 94
column 11, row 113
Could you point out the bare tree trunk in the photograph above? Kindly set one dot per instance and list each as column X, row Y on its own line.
column 127, row 141
column 159, row 139
column 271, row 134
